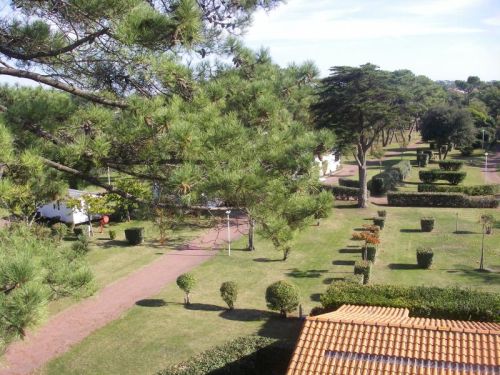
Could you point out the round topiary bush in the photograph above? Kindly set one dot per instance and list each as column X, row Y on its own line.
column 427, row 224
column 382, row 213
column 229, row 293
column 186, row 282
column 424, row 257
column 379, row 221
column 134, row 236
column 282, row 296
column 369, row 253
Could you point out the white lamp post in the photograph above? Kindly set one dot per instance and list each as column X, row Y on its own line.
column 228, row 212
column 486, row 162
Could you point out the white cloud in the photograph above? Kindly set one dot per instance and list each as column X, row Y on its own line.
column 438, row 7
column 492, row 21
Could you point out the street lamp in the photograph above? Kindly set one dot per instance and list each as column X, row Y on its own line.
column 228, row 212
column 486, row 163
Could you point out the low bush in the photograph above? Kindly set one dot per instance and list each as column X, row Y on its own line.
column 59, row 230
column 450, row 165
column 363, row 267
column 348, row 183
column 424, row 257
column 112, row 234
column 383, row 182
column 356, row 279
column 433, row 175
column 427, row 224
column 422, row 160
column 468, row 190
column 357, row 236
column 282, row 296
column 344, row 193
column 134, row 236
column 369, row 253
column 229, row 293
column 403, row 168
column 379, row 221
column 457, row 200
column 382, row 213
column 425, row 302
column 81, row 245
column 78, row 231
column 371, row 228
column 250, row 355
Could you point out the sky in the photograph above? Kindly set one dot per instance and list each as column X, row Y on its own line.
column 442, row 39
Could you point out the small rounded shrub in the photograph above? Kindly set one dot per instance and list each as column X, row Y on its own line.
column 379, row 221
column 229, row 293
column 424, row 257
column 81, row 245
column 186, row 282
column 427, row 224
column 59, row 230
column 382, row 213
column 134, row 236
column 112, row 234
column 282, row 296
column 78, row 231
column 369, row 253
column 363, row 267
column 356, row 279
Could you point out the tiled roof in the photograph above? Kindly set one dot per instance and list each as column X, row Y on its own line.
column 376, row 340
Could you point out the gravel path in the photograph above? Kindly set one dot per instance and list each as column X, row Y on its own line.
column 78, row 321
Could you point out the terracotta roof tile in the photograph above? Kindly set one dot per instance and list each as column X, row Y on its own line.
column 375, row 341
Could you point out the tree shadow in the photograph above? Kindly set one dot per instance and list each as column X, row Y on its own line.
column 151, row 302
column 403, row 266
column 343, row 262
column 315, row 297
column 277, row 327
column 360, row 229
column 246, row 315
column 203, row 307
column 345, row 206
column 465, row 232
column 410, row 230
column 306, row 273
column 356, row 250
column 114, row 243
column 488, row 276
column 266, row 260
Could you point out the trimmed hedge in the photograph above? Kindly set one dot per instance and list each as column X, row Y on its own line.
column 379, row 221
column 434, row 175
column 382, row 213
column 450, row 165
column 363, row 267
column 426, row 302
column 469, row 190
column 383, row 182
column 348, row 183
column 134, row 236
column 427, row 224
column 371, row 253
column 250, row 355
column 422, row 160
column 344, row 193
column 424, row 257
column 456, row 200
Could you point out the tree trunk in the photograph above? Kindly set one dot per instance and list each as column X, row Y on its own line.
column 362, row 172
column 251, row 232
column 286, row 252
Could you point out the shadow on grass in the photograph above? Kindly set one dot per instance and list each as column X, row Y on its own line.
column 343, row 262
column 203, row 307
column 487, row 276
column 246, row 315
column 330, row 280
column 266, row 260
column 114, row 243
column 316, row 297
column 403, row 266
column 465, row 232
column 277, row 327
column 306, row 273
column 356, row 250
column 410, row 230
column 345, row 206
column 151, row 302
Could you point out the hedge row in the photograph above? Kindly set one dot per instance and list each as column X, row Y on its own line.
column 349, row 183
column 468, row 190
column 457, row 200
column 450, row 165
column 427, row 302
column 344, row 193
column 433, row 175
column 383, row 182
column 250, row 355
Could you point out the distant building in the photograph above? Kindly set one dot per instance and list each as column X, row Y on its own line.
column 327, row 163
column 386, row 341
column 58, row 210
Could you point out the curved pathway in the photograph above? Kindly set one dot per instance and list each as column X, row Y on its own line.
column 491, row 174
column 78, row 321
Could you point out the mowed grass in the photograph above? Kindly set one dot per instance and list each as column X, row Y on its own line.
column 111, row 260
column 161, row 331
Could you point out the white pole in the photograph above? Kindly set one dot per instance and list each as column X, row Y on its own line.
column 228, row 212
column 109, row 178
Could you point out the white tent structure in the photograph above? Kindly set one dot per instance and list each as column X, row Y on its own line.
column 327, row 163
column 58, row 210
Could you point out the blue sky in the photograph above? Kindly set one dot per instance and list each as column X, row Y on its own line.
column 442, row 39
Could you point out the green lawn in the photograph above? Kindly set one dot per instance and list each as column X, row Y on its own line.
column 111, row 260
column 161, row 331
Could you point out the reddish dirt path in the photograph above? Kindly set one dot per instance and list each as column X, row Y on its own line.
column 491, row 175
column 78, row 321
